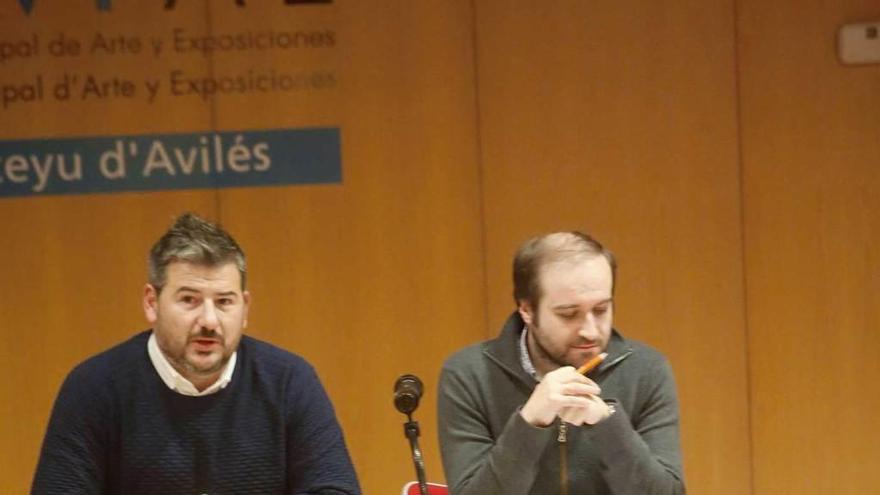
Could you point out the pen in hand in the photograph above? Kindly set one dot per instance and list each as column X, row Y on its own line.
column 592, row 363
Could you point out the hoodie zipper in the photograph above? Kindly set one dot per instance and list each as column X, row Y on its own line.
column 562, row 438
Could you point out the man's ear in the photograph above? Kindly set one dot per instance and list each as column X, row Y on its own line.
column 526, row 312
column 151, row 303
column 246, row 297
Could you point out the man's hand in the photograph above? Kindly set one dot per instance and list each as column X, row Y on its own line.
column 591, row 415
column 568, row 394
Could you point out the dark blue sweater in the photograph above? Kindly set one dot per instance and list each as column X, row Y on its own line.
column 116, row 428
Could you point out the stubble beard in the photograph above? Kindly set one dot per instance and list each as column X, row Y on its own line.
column 183, row 364
column 191, row 367
column 544, row 353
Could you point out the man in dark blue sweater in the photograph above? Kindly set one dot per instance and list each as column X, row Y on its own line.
column 193, row 406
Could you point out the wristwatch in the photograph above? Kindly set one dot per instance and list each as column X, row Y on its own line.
column 611, row 409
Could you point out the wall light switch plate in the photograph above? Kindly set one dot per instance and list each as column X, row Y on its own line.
column 859, row 43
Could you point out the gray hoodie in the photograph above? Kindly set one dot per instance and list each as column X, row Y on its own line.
column 488, row 449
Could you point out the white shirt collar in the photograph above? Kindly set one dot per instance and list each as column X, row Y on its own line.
column 175, row 381
column 524, row 357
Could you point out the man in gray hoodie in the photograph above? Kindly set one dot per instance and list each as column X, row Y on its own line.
column 517, row 418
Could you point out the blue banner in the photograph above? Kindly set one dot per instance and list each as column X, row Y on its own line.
column 170, row 161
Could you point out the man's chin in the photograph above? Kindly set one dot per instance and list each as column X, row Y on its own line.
column 581, row 356
column 203, row 365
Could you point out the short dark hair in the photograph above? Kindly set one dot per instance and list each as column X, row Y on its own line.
column 193, row 239
column 539, row 251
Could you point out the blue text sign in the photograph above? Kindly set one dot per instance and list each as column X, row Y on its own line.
column 170, row 161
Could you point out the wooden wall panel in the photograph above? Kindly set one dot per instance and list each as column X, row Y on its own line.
column 109, row 114
column 620, row 119
column 74, row 266
column 380, row 275
column 811, row 144
column 369, row 279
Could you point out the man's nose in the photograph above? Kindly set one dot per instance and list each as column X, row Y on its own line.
column 589, row 329
column 208, row 318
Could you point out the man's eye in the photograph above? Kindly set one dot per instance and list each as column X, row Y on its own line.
column 188, row 299
column 567, row 316
column 226, row 301
column 600, row 310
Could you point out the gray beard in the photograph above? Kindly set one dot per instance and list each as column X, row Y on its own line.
column 183, row 363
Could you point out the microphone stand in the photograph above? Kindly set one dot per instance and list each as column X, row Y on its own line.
column 411, row 431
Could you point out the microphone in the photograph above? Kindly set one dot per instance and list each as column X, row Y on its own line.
column 407, row 392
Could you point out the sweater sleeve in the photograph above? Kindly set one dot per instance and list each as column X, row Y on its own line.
column 475, row 463
column 642, row 454
column 73, row 455
column 317, row 458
